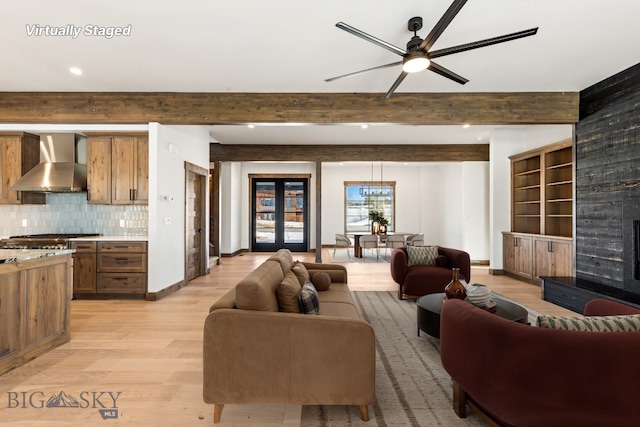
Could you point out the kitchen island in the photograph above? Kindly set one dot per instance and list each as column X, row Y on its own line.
column 34, row 303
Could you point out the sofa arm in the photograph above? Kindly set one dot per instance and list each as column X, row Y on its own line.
column 604, row 307
column 278, row 358
column 338, row 273
column 398, row 265
column 459, row 259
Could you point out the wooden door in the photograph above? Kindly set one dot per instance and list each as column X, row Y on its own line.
column 553, row 258
column 99, row 169
column 524, row 256
column 195, row 222
column 123, row 169
column 508, row 249
column 10, row 302
column 84, row 273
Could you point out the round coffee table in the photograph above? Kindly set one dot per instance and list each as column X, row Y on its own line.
column 428, row 308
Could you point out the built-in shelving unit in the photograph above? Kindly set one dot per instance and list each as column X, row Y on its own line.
column 540, row 241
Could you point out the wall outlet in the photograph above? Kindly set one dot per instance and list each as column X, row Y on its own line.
column 167, row 221
column 122, row 223
column 25, row 223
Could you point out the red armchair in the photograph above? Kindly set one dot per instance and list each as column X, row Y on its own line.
column 419, row 280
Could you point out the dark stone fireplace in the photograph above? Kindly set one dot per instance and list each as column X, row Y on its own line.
column 607, row 196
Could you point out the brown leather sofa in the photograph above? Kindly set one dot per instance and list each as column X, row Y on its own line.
column 516, row 375
column 260, row 355
column 419, row 280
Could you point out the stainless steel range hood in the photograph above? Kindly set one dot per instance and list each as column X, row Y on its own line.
column 62, row 167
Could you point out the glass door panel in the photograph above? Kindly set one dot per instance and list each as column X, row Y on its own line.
column 279, row 214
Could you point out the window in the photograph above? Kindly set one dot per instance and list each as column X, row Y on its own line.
column 360, row 198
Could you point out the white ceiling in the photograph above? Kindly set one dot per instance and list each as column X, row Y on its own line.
column 293, row 45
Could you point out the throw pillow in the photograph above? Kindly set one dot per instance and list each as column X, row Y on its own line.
column 592, row 323
column 288, row 293
column 321, row 281
column 301, row 272
column 421, row 255
column 309, row 301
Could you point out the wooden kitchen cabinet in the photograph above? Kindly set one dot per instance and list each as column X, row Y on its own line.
column 109, row 267
column 84, row 267
column 19, row 153
column 122, row 267
column 34, row 308
column 118, row 169
column 530, row 256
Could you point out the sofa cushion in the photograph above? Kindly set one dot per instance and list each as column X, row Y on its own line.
column 592, row 323
column 309, row 301
column 288, row 294
column 442, row 261
column 257, row 291
column 337, row 293
column 339, row 309
column 301, row 272
column 284, row 257
column 321, row 281
column 421, row 255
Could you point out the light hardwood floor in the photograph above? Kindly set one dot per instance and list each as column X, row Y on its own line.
column 151, row 353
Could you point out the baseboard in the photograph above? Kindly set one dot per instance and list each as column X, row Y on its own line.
column 480, row 262
column 497, row 272
column 155, row 296
column 232, row 254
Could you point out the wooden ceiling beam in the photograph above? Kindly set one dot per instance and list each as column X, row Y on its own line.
column 346, row 153
column 523, row 108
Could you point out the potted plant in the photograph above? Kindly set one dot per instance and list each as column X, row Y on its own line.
column 378, row 222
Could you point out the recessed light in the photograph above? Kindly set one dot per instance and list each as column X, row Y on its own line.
column 75, row 70
column 251, row 126
column 466, row 125
column 364, row 126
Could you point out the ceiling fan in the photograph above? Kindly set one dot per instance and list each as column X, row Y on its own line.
column 418, row 56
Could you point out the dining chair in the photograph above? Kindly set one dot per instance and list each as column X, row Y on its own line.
column 342, row 241
column 369, row 241
column 394, row 241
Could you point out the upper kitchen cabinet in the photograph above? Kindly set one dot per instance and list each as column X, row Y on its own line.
column 118, row 169
column 19, row 153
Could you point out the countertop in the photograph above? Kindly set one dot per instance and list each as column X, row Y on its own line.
column 14, row 255
column 111, row 239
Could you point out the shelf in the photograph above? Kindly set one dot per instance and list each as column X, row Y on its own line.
column 559, row 182
column 529, row 172
column 528, row 187
column 559, row 216
column 561, row 165
column 527, row 216
column 559, row 200
column 528, row 202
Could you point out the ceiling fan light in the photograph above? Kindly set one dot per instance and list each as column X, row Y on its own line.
column 416, row 63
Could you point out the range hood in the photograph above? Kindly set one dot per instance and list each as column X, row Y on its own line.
column 62, row 167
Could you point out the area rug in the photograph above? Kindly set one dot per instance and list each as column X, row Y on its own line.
column 412, row 387
column 368, row 256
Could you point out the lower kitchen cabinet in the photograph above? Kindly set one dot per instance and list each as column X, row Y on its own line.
column 531, row 256
column 119, row 267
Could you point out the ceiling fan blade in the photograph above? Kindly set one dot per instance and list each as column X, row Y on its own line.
column 441, row 25
column 483, row 43
column 370, row 38
column 395, row 84
column 439, row 69
column 393, row 64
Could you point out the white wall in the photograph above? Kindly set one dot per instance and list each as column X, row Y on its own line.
column 505, row 143
column 167, row 178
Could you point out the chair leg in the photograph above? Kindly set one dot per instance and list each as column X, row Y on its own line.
column 364, row 412
column 217, row 412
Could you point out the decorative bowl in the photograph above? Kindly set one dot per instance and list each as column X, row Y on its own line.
column 478, row 294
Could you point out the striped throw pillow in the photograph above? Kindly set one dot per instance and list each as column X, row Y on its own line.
column 592, row 323
column 421, row 255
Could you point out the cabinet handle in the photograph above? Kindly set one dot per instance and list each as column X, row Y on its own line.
column 515, row 242
column 550, row 246
column 122, row 260
column 131, row 194
column 120, row 279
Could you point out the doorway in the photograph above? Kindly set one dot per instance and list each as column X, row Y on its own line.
column 279, row 213
column 195, row 221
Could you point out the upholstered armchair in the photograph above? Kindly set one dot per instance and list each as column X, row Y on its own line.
column 342, row 241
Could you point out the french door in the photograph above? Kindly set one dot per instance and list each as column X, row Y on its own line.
column 279, row 208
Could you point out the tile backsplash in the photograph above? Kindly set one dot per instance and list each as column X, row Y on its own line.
column 70, row 213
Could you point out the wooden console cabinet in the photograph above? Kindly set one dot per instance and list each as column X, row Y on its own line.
column 110, row 267
column 540, row 242
column 34, row 308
